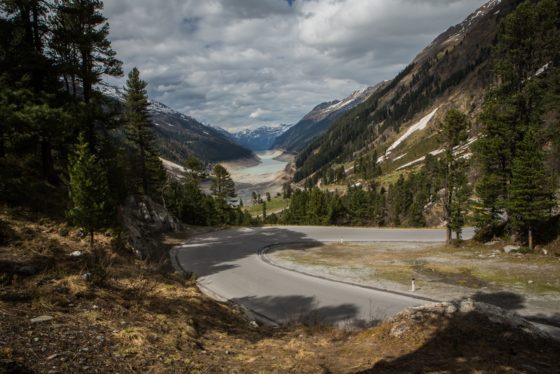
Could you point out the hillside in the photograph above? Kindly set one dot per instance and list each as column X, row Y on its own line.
column 179, row 135
column 397, row 120
column 319, row 120
column 259, row 139
column 142, row 318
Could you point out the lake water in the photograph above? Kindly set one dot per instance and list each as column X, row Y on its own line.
column 268, row 165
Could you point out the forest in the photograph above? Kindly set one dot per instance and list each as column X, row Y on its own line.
column 65, row 149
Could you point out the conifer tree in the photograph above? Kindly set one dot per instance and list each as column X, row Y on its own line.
column 81, row 36
column 454, row 133
column 89, row 191
column 222, row 185
column 139, row 131
column 531, row 199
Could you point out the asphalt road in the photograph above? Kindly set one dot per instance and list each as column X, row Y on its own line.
column 229, row 267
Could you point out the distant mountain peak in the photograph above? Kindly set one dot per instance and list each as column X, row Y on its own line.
column 180, row 136
column 261, row 138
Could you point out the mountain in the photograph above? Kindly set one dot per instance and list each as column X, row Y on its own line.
column 319, row 120
column 397, row 119
column 179, row 135
column 260, row 139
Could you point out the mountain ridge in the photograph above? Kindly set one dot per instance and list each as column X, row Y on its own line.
column 453, row 71
column 319, row 120
column 180, row 136
column 259, row 139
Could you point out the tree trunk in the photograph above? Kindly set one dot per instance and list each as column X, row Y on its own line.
column 2, row 149
column 530, row 238
column 449, row 235
column 143, row 171
column 47, row 162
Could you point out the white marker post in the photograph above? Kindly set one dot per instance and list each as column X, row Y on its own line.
column 413, row 287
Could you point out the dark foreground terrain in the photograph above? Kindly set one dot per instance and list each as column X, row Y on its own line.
column 117, row 314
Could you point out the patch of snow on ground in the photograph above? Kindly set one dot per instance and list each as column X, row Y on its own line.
column 542, row 69
column 401, row 156
column 420, row 125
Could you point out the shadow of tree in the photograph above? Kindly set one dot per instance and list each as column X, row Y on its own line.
column 301, row 309
column 505, row 300
column 215, row 252
column 468, row 343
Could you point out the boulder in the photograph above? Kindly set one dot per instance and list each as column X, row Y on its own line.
column 511, row 248
column 403, row 321
column 41, row 319
column 143, row 219
column 26, row 271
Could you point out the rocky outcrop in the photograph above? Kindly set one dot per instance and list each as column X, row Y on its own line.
column 144, row 220
column 404, row 321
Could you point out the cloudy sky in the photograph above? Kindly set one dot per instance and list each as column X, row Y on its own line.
column 247, row 63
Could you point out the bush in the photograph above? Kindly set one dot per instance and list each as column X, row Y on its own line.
column 97, row 268
column 120, row 242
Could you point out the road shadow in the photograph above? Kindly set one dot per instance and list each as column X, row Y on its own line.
column 467, row 343
column 303, row 310
column 506, row 300
column 218, row 251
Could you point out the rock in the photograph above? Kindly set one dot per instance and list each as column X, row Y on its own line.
column 76, row 254
column 26, row 271
column 254, row 324
column 86, row 276
column 41, row 319
column 530, row 282
column 545, row 252
column 143, row 219
column 511, row 248
column 493, row 242
column 403, row 320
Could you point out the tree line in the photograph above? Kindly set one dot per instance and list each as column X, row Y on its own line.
column 515, row 163
column 59, row 133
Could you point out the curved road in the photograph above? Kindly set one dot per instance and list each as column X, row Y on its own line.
column 229, row 267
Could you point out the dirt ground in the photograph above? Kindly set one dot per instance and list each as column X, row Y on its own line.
column 63, row 311
column 526, row 283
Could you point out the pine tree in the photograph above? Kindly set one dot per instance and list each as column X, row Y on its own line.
column 222, row 185
column 139, row 131
column 526, row 41
column 454, row 133
column 531, row 199
column 460, row 202
column 89, row 191
column 194, row 170
column 82, row 37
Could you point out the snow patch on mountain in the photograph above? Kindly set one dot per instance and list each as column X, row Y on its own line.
column 420, row 125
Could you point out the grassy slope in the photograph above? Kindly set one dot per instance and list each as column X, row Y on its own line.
column 145, row 319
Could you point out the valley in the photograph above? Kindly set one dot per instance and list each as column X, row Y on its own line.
column 268, row 176
column 273, row 186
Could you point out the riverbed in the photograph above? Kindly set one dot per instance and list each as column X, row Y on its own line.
column 268, row 176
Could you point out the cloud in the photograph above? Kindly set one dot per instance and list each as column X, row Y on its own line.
column 239, row 63
column 258, row 113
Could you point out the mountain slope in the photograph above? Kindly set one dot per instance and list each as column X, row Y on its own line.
column 260, row 139
column 453, row 71
column 319, row 120
column 180, row 136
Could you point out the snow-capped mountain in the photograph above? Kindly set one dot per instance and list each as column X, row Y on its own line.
column 260, row 139
column 319, row 120
column 180, row 136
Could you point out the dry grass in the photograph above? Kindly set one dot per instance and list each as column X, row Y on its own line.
column 142, row 319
